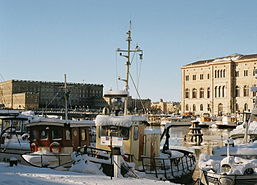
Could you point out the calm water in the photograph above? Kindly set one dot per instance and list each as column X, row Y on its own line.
column 211, row 137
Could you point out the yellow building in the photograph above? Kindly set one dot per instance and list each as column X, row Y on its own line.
column 219, row 86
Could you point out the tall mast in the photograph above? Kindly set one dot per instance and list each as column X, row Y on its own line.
column 128, row 63
column 65, row 98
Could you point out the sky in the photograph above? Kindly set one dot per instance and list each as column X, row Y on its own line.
column 45, row 39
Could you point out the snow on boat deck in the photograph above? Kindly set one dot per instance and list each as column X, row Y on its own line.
column 20, row 175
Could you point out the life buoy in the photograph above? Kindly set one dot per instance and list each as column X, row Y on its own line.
column 55, row 145
column 33, row 147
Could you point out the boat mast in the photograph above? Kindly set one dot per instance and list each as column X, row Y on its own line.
column 65, row 98
column 128, row 63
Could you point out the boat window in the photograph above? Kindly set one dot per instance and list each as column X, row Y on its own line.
column 34, row 135
column 83, row 134
column 103, row 131
column 43, row 134
column 124, row 133
column 67, row 135
column 136, row 133
column 57, row 133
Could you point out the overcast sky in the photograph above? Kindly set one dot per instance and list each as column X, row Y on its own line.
column 45, row 39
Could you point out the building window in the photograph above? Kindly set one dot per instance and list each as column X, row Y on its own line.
column 216, row 91
column 209, row 107
column 245, row 107
column 254, row 92
column 187, row 77
column 236, row 107
column 215, row 74
column 237, row 94
column 194, row 77
column 245, row 72
column 187, row 107
column 220, row 73
column 246, row 90
column 208, row 76
column 220, row 91
column 236, row 73
column 194, row 93
column 223, row 91
column 254, row 71
column 201, row 76
column 201, row 93
column 201, row 107
column 208, row 92
column 194, row 108
column 224, row 73
column 187, row 93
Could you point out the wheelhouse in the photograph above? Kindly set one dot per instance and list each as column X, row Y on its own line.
column 138, row 138
column 59, row 136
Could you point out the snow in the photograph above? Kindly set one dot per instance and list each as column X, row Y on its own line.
column 149, row 131
column 123, row 121
column 233, row 58
column 21, row 175
column 38, row 120
column 240, row 129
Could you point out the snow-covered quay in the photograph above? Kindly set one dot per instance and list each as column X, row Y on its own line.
column 27, row 175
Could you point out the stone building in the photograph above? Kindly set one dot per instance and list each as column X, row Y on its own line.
column 165, row 107
column 22, row 94
column 219, row 86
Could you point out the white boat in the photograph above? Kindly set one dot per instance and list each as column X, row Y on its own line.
column 225, row 122
column 235, row 164
column 14, row 137
column 176, row 121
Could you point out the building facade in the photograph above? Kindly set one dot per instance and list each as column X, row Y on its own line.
column 22, row 94
column 219, row 86
column 165, row 107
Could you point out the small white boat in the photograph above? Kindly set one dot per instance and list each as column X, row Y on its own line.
column 225, row 122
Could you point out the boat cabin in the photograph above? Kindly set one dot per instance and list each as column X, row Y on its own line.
column 131, row 133
column 58, row 136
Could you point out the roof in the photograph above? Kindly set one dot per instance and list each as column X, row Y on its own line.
column 37, row 120
column 123, row 121
column 226, row 58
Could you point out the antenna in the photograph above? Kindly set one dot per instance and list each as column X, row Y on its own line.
column 128, row 63
column 66, row 98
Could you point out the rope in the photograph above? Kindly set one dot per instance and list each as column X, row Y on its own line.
column 137, row 92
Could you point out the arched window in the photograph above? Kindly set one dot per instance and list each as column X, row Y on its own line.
column 216, row 91
column 215, row 74
column 208, row 92
column 246, row 90
column 236, row 107
column 187, row 93
column 201, row 107
column 201, row 93
column 254, row 92
column 223, row 91
column 221, row 71
column 224, row 73
column 194, row 108
column 237, row 91
column 220, row 109
column 187, row 109
column 245, row 107
column 194, row 93
column 220, row 91
column 218, row 73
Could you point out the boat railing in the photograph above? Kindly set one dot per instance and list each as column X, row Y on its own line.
column 56, row 160
column 101, row 153
column 169, row 168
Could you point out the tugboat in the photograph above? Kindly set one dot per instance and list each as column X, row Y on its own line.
column 132, row 137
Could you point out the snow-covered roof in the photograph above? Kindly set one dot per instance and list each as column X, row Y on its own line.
column 123, row 121
column 38, row 120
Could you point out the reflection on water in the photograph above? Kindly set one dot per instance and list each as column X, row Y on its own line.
column 211, row 137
